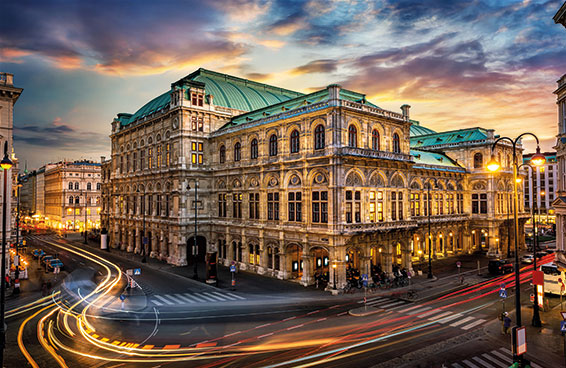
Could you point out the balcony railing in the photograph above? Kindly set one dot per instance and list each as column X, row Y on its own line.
column 379, row 226
column 364, row 152
column 442, row 218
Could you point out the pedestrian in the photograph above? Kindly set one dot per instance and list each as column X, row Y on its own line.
column 506, row 323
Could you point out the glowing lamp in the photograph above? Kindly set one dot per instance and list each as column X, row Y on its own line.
column 334, row 265
column 518, row 180
column 6, row 163
column 538, row 158
column 493, row 165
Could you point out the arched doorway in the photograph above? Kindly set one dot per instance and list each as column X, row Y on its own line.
column 320, row 265
column 294, row 260
column 200, row 249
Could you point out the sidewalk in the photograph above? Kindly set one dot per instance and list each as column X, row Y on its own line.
column 545, row 344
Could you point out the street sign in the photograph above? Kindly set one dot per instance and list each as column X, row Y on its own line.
column 502, row 293
column 365, row 277
column 122, row 297
column 503, row 286
column 137, row 271
column 562, row 326
column 563, row 315
column 521, row 340
column 232, row 268
column 538, row 278
column 129, row 272
column 532, row 298
column 459, row 264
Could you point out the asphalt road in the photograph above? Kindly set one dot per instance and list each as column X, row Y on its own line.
column 169, row 320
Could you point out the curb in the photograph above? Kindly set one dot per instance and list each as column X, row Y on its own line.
column 363, row 311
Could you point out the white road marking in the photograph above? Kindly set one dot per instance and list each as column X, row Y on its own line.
column 450, row 318
column 232, row 334
column 236, row 296
column 157, row 303
column 265, row 325
column 506, row 351
column 174, row 298
column 495, row 361
column 290, row 318
column 224, row 295
column 413, row 307
column 219, row 298
column 234, row 344
column 418, row 310
column 391, row 304
column 201, row 295
column 469, row 364
column 293, row 327
column 437, row 317
column 458, row 323
column 483, row 362
column 501, row 356
column 321, row 319
column 163, row 299
column 429, row 313
column 313, row 312
column 262, row 336
column 473, row 324
column 398, row 307
column 456, row 365
column 192, row 296
column 180, row 296
column 341, row 314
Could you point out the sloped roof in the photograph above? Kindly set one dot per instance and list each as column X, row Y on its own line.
column 296, row 103
column 426, row 158
column 228, row 91
column 450, row 137
column 417, row 129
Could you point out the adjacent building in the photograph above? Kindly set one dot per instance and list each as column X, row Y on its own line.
column 559, row 203
column 541, row 187
column 289, row 184
column 72, row 195
column 9, row 94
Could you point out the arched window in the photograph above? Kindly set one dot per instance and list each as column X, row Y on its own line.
column 319, row 137
column 396, row 143
column 97, row 186
column 352, row 136
column 273, row 145
column 88, row 186
column 222, row 154
column 237, row 151
column 71, row 200
column 253, row 149
column 71, row 185
column 478, row 160
column 375, row 140
column 295, row 145
column 77, row 200
column 76, row 185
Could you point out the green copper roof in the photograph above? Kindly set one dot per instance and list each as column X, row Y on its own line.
column 417, row 129
column 239, row 93
column 450, row 137
column 296, row 103
column 435, row 159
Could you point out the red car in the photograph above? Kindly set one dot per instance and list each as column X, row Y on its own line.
column 499, row 266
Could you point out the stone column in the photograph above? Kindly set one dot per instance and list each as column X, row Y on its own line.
column 262, row 267
column 307, row 278
column 163, row 247
column 154, row 251
column 137, row 241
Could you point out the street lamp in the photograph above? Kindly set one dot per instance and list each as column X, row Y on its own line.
column 6, row 165
column 195, row 248
column 144, row 240
column 334, row 273
column 86, row 219
column 537, row 160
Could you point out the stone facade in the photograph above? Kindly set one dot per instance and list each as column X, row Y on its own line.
column 73, row 195
column 294, row 187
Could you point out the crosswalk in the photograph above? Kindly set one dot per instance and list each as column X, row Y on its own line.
column 499, row 358
column 436, row 315
column 194, row 298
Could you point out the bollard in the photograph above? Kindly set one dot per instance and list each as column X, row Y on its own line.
column 479, row 272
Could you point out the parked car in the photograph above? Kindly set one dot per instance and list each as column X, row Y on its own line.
column 499, row 266
column 38, row 253
column 55, row 262
column 527, row 258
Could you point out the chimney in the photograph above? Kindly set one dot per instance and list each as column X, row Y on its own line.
column 405, row 108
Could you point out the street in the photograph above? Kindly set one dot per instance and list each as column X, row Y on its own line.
column 177, row 321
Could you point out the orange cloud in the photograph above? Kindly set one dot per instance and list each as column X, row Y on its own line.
column 11, row 55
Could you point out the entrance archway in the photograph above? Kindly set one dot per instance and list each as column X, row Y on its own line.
column 294, row 260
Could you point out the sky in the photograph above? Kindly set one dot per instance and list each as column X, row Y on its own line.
column 459, row 64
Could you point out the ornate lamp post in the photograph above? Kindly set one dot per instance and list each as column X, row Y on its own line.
column 429, row 233
column 6, row 165
column 195, row 247
column 537, row 160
